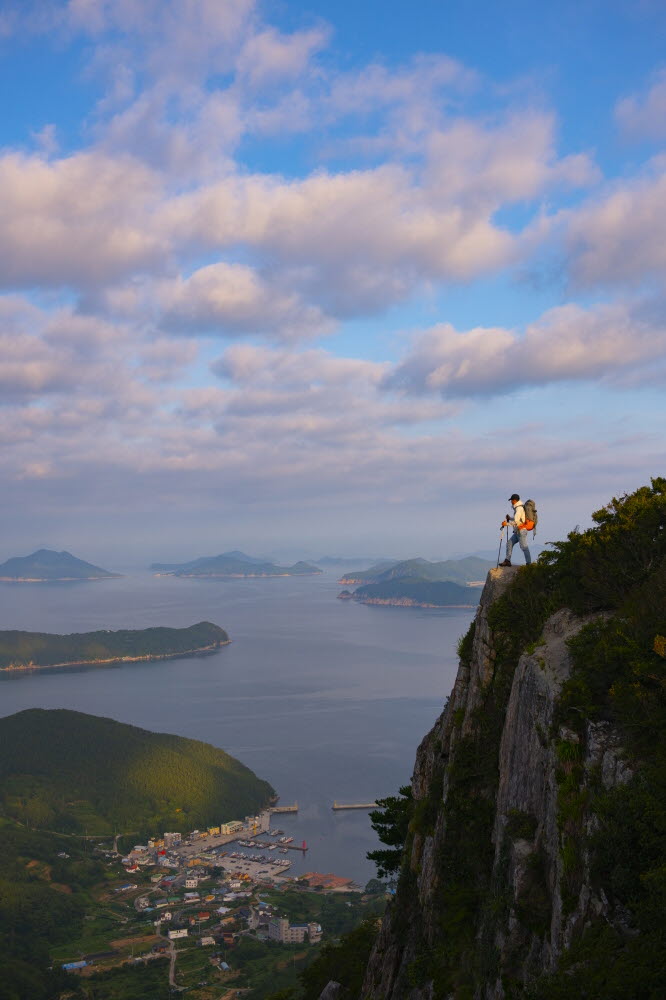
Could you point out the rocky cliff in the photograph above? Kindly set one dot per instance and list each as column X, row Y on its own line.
column 495, row 882
column 529, row 853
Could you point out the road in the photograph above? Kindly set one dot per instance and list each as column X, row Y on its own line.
column 172, row 965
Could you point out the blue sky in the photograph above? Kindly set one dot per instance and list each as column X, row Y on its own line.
column 326, row 277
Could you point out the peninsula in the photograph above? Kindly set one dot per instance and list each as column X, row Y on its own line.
column 42, row 650
column 232, row 565
column 47, row 566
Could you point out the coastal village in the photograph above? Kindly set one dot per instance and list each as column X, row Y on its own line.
column 205, row 890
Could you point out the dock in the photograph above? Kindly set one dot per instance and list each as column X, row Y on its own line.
column 354, row 805
column 284, row 809
column 290, row 847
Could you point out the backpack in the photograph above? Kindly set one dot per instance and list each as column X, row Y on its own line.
column 531, row 516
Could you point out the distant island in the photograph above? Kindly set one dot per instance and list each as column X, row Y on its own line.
column 47, row 566
column 332, row 561
column 415, row 594
column 71, row 772
column 233, row 565
column 419, row 583
column 42, row 650
column 470, row 570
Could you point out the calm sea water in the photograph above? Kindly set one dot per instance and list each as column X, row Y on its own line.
column 325, row 699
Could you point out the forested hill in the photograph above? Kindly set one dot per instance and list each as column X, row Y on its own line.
column 67, row 771
column 46, row 566
column 22, row 650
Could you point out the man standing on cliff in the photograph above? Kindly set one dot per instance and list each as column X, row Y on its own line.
column 519, row 535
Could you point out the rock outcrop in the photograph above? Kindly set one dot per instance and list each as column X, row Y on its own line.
column 496, row 882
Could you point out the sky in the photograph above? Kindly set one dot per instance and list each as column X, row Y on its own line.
column 326, row 278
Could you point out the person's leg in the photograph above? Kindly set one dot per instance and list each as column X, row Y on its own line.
column 522, row 539
column 510, row 542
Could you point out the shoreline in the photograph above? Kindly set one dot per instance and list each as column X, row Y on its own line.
column 235, row 576
column 199, row 651
column 405, row 602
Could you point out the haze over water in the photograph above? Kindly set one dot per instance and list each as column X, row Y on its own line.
column 323, row 698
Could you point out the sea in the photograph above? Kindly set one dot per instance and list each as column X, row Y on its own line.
column 325, row 699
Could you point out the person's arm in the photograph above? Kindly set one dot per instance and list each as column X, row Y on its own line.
column 519, row 516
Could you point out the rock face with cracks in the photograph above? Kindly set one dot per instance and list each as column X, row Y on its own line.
column 538, row 892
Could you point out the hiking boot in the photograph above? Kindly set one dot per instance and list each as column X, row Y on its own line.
column 507, row 562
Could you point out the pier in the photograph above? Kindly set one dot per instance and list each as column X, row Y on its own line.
column 290, row 847
column 354, row 805
column 284, row 809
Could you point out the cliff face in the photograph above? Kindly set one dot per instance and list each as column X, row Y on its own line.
column 495, row 883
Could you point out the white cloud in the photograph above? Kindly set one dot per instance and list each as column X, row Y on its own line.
column 568, row 343
column 233, row 300
column 245, row 364
column 183, row 39
column 486, row 167
column 355, row 240
column 269, row 56
column 165, row 359
column 644, row 116
column 79, row 220
column 619, row 236
column 190, row 135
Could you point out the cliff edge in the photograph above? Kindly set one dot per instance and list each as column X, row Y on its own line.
column 485, row 794
column 533, row 860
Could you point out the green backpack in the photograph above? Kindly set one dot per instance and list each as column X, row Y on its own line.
column 531, row 516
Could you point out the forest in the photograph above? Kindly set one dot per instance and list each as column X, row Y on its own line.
column 76, row 773
column 25, row 650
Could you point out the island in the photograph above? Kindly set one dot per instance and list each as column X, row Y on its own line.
column 71, row 772
column 47, row 566
column 414, row 593
column 333, row 561
column 232, row 565
column 419, row 583
column 470, row 570
column 43, row 650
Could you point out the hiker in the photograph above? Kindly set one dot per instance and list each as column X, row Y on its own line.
column 517, row 522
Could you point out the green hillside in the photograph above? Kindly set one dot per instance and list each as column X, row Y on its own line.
column 46, row 565
column 438, row 594
column 70, row 772
column 41, row 649
column 233, row 564
column 43, row 904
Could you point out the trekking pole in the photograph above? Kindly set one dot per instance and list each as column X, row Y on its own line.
column 500, row 547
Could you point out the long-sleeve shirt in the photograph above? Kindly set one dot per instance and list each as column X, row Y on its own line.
column 518, row 519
